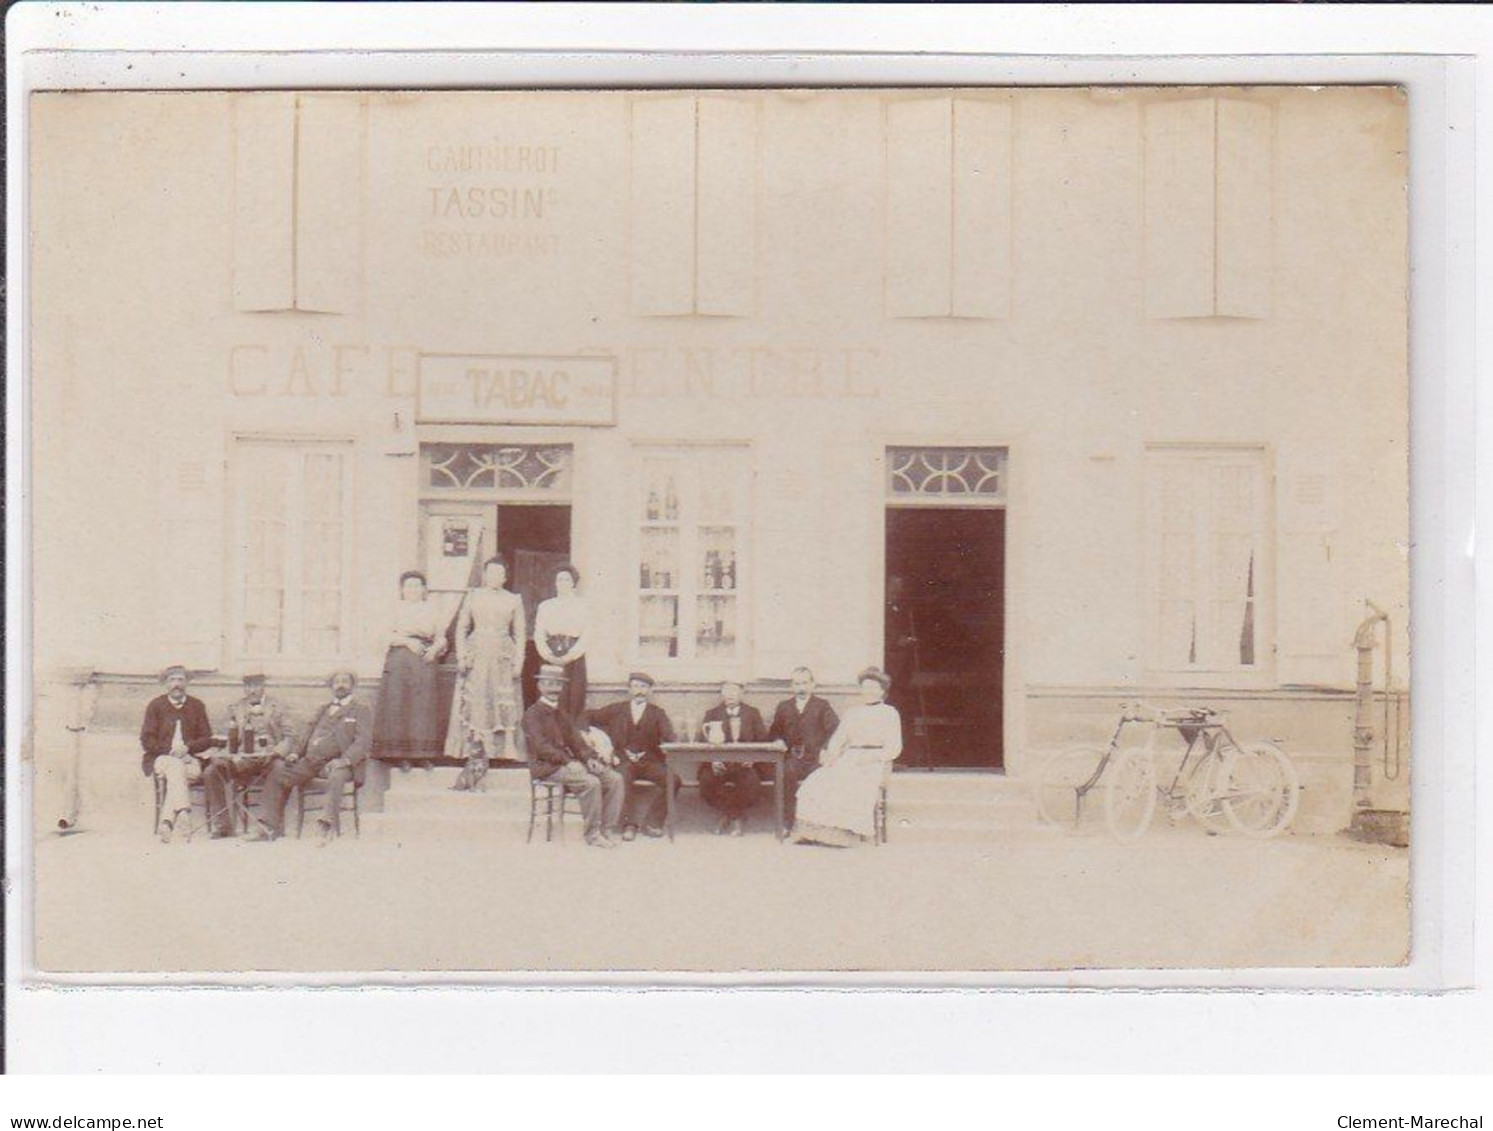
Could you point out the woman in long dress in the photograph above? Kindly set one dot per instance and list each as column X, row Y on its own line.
column 837, row 802
column 490, row 635
column 409, row 723
column 560, row 630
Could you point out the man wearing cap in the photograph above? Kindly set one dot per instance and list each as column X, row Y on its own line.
column 638, row 729
column 259, row 731
column 173, row 737
column 559, row 753
column 335, row 746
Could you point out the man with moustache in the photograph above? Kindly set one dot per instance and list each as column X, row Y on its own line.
column 174, row 737
column 559, row 753
column 638, row 729
column 335, row 746
column 804, row 724
column 259, row 731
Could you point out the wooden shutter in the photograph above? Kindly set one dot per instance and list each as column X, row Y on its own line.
column 981, row 209
column 329, row 203
column 663, row 206
column 1179, row 208
column 264, row 202
column 1245, row 215
column 726, row 229
column 919, row 208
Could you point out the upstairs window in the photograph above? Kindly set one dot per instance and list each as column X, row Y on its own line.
column 948, row 208
column 1209, row 221
column 694, row 205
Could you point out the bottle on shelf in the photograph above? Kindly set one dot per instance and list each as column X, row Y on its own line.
column 671, row 501
column 653, row 504
column 731, row 573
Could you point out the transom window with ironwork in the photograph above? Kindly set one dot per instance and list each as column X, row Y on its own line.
column 523, row 468
column 929, row 474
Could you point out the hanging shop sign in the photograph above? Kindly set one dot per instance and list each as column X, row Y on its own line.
column 517, row 389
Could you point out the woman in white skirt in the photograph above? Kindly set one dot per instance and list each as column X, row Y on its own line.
column 837, row 802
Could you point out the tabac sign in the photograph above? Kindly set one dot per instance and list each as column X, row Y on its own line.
column 516, row 389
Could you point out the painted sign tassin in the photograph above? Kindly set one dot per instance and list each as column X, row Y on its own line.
column 516, row 389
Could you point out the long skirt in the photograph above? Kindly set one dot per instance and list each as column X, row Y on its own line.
column 573, row 698
column 410, row 722
column 837, row 803
column 484, row 704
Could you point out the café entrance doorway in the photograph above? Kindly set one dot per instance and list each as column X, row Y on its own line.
column 945, row 633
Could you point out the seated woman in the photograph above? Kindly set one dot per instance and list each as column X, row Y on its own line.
column 837, row 802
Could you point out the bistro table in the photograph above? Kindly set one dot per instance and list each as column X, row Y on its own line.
column 679, row 756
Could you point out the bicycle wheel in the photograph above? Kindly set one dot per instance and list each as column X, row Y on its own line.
column 1260, row 790
column 1203, row 792
column 1130, row 795
column 1058, row 782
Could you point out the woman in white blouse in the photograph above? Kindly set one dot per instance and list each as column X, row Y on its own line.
column 837, row 802
column 410, row 722
column 561, row 626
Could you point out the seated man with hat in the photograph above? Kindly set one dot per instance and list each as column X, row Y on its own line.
column 174, row 737
column 638, row 729
column 559, row 753
column 335, row 746
column 259, row 731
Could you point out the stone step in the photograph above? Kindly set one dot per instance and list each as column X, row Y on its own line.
column 989, row 788
column 929, row 811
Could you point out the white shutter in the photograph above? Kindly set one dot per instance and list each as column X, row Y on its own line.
column 663, row 206
column 1179, row 208
column 1245, row 221
column 329, row 203
column 264, row 201
column 981, row 209
column 919, row 208
column 726, row 231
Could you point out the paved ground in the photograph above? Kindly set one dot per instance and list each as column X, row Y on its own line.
column 112, row 898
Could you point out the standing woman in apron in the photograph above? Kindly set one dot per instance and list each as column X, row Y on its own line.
column 490, row 635
column 409, row 724
column 560, row 630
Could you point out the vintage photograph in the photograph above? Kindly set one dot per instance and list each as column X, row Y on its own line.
column 720, row 531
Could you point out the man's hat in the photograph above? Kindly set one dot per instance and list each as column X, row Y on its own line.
column 166, row 673
column 551, row 673
column 352, row 675
column 640, row 677
column 254, row 675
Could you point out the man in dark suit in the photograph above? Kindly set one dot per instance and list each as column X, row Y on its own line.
column 173, row 738
column 638, row 729
column 731, row 788
column 259, row 732
column 804, row 724
column 335, row 746
column 558, row 752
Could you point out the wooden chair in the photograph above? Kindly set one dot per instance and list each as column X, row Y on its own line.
column 317, row 787
column 551, row 799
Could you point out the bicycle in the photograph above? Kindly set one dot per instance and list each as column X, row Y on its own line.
column 1253, row 790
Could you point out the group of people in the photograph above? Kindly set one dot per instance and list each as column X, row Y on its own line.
column 611, row 757
column 481, row 718
column 833, row 768
column 261, row 747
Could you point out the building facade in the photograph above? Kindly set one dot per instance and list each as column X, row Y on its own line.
column 1045, row 398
